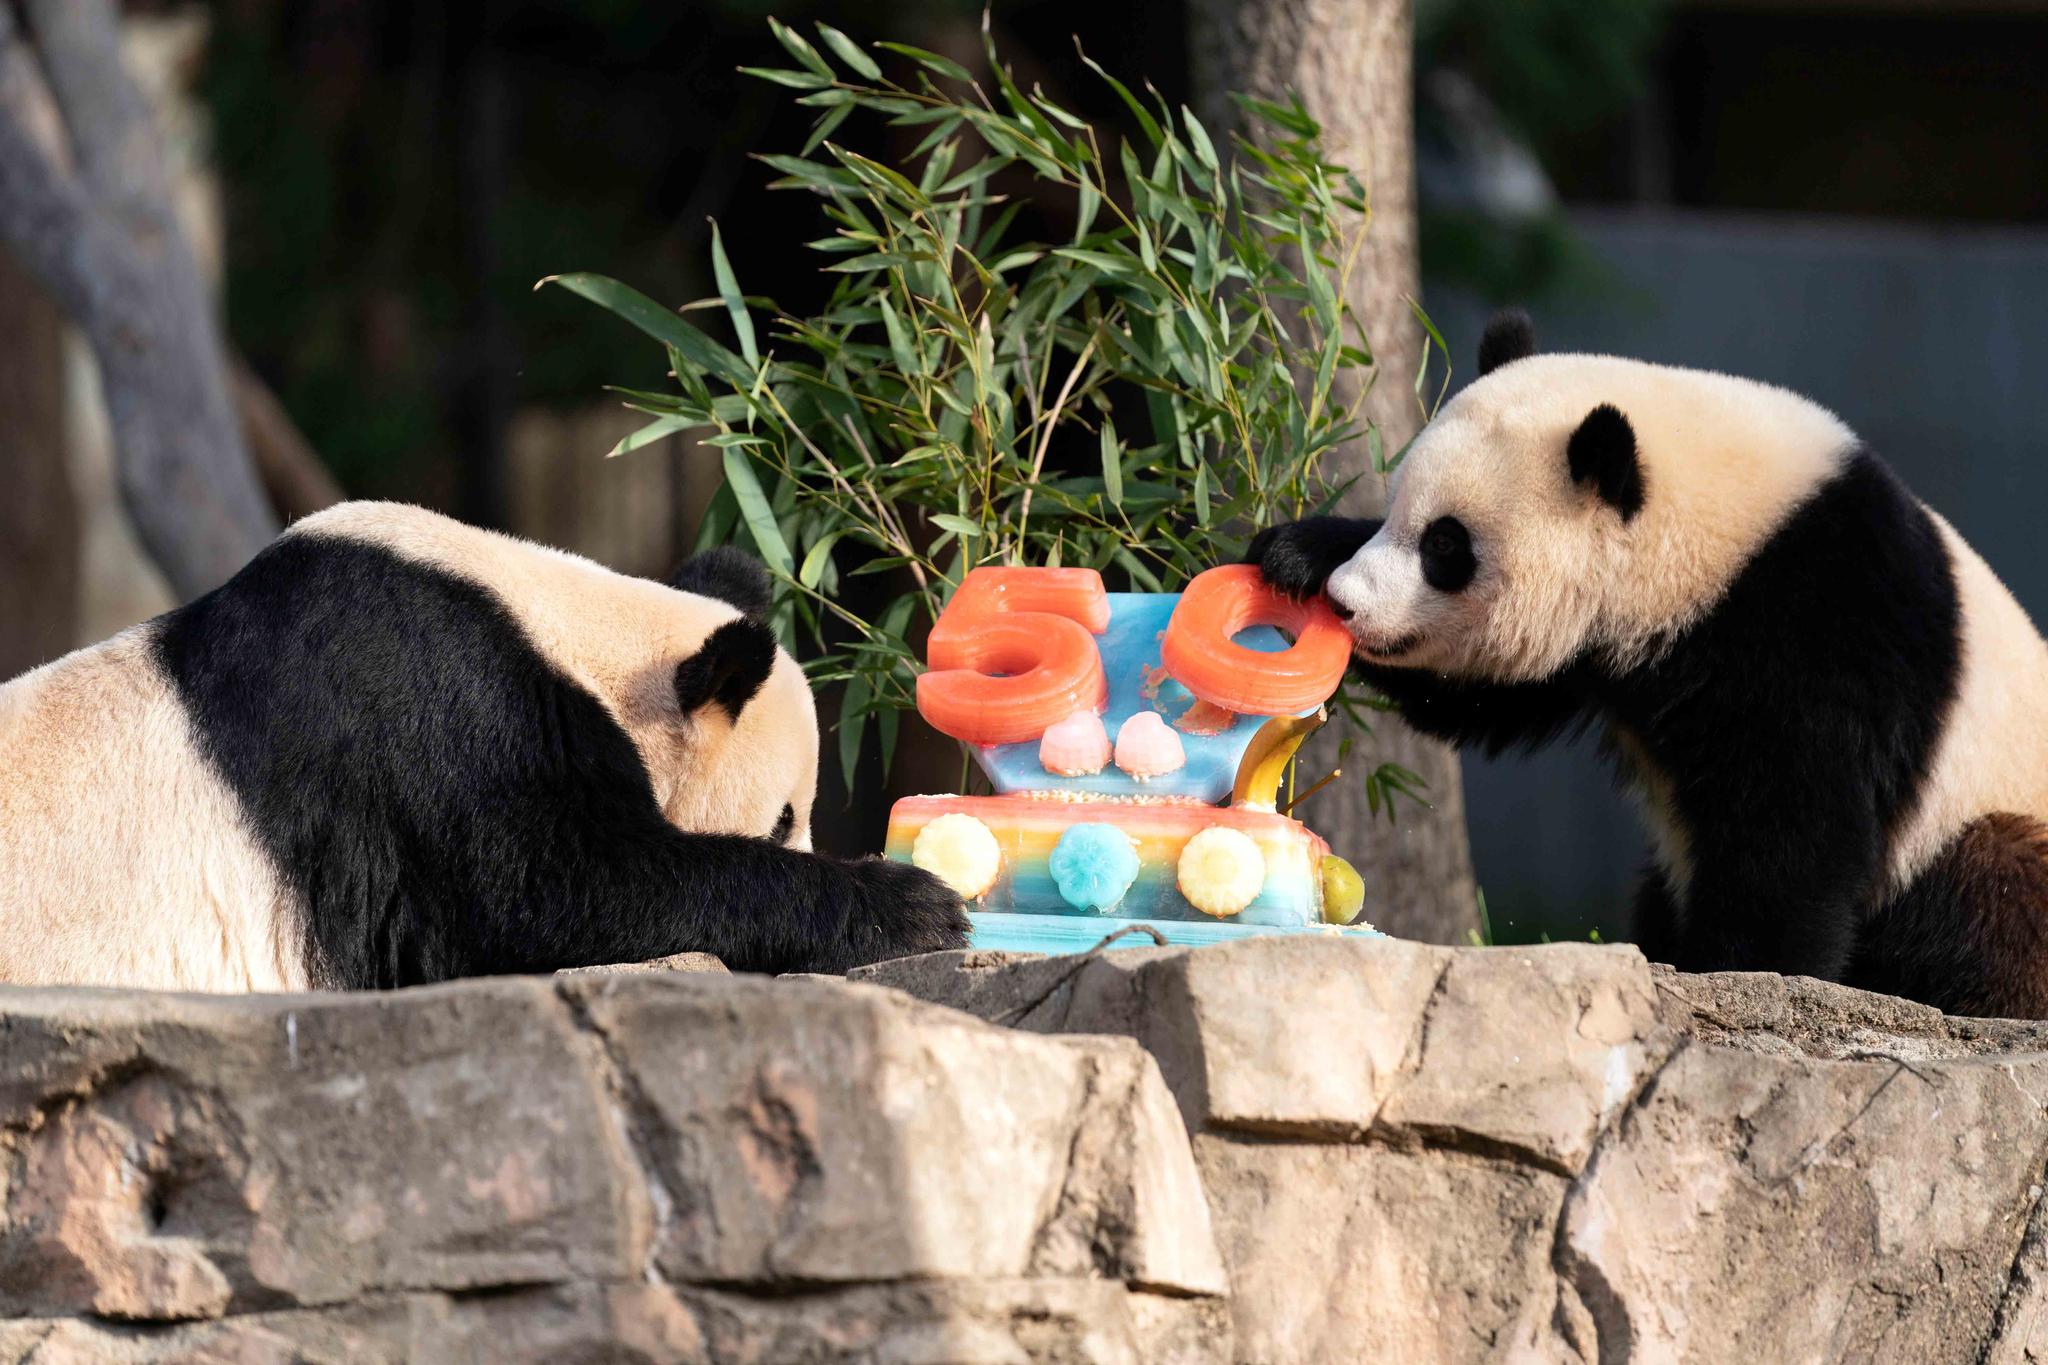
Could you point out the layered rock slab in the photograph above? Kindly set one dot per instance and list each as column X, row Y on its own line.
column 642, row 1166
column 1558, row 1153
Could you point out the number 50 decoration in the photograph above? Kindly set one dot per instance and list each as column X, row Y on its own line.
column 1014, row 651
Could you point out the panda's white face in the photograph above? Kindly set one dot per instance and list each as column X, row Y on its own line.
column 1488, row 564
column 1496, row 563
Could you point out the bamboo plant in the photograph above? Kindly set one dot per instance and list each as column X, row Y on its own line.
column 1137, row 398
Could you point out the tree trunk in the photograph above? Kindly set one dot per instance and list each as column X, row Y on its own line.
column 1350, row 61
column 39, row 549
column 101, row 237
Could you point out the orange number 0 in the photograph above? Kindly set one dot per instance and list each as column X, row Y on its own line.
column 1036, row 626
column 1199, row 652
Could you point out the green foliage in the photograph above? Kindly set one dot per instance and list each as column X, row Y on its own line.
column 1136, row 398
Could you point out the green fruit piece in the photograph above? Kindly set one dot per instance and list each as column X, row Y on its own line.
column 1343, row 890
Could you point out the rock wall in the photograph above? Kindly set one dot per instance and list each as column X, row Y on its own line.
column 1284, row 1150
column 630, row 1167
column 1559, row 1154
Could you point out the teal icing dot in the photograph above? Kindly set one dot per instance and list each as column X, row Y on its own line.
column 1093, row 865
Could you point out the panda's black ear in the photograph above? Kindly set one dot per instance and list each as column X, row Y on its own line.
column 728, row 670
column 728, row 574
column 1509, row 336
column 1603, row 455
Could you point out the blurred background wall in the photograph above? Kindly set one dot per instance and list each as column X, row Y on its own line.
column 1849, row 197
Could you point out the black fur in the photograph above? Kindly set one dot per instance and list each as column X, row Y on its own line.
column 1447, row 559
column 728, row 669
column 1491, row 717
column 1968, row 937
column 1509, row 336
column 1796, row 721
column 445, row 804
column 1299, row 557
column 728, row 574
column 1602, row 453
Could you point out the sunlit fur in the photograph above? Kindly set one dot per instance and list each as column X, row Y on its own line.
column 125, row 860
column 1993, row 755
column 1725, row 461
column 621, row 638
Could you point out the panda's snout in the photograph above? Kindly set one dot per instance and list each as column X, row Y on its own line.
column 1344, row 613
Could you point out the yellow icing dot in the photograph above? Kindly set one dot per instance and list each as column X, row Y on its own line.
column 1343, row 890
column 1221, row 871
column 961, row 852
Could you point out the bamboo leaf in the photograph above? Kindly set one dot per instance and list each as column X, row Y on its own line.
column 849, row 52
column 958, row 525
column 754, row 510
column 820, row 555
column 800, row 49
column 826, row 126
column 664, row 326
column 796, row 80
column 1084, row 213
column 853, row 722
column 652, row 432
column 1198, row 138
column 1123, row 92
column 735, row 306
column 931, row 61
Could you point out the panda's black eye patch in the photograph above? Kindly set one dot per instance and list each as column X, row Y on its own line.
column 1447, row 560
column 783, row 825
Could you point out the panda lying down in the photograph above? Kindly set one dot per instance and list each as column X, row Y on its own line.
column 1835, row 716
column 395, row 749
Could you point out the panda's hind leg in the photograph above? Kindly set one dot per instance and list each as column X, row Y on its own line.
column 1970, row 935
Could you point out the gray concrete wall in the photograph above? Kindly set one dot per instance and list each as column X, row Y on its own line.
column 1931, row 342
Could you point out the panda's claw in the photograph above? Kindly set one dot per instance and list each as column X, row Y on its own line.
column 1299, row 557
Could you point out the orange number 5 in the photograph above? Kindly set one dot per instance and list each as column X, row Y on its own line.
column 1035, row 628
column 1199, row 652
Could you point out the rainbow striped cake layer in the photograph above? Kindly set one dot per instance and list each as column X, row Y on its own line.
column 1028, row 825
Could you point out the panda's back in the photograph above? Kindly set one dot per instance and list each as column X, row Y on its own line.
column 124, row 860
column 1992, row 757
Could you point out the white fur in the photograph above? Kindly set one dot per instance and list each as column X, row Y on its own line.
column 1993, row 755
column 125, row 862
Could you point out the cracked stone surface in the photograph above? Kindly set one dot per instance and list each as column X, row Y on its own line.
column 1566, row 1154
column 1272, row 1151
column 642, row 1166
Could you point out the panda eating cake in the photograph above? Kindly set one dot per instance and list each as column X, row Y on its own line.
column 1137, row 744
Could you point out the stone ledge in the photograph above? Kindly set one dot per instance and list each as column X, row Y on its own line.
column 674, row 962
column 1277, row 1150
column 640, row 1166
column 961, row 1322
column 1564, row 1154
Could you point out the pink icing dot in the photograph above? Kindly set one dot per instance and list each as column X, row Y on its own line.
column 1147, row 747
column 1075, row 747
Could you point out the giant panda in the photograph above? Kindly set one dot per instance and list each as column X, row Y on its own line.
column 396, row 749
column 1834, row 715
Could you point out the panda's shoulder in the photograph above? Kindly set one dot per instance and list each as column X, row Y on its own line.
column 430, row 540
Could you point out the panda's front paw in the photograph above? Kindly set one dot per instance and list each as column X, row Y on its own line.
column 900, row 911
column 1299, row 557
